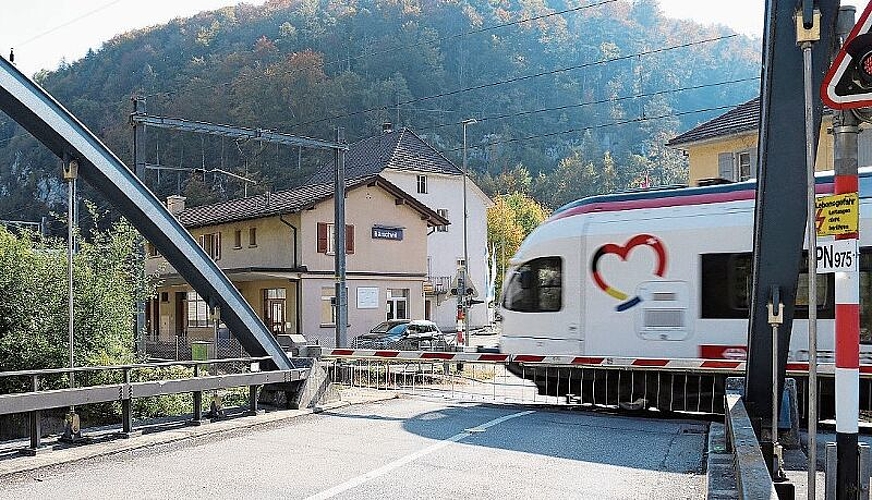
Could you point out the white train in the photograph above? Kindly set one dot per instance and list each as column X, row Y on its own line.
column 658, row 274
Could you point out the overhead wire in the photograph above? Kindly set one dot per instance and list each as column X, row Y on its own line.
column 66, row 23
column 596, row 126
column 591, row 103
column 518, row 79
column 396, row 48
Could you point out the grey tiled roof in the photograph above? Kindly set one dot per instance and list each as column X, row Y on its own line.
column 397, row 150
column 291, row 201
column 255, row 207
column 743, row 118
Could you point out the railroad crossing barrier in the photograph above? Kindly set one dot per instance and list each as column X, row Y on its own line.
column 689, row 385
column 35, row 400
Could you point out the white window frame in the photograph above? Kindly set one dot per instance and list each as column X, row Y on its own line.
column 422, row 184
column 395, row 297
column 331, row 238
column 443, row 212
column 211, row 243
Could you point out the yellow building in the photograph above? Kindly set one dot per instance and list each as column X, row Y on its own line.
column 726, row 146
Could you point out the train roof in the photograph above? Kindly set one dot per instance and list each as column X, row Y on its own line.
column 687, row 196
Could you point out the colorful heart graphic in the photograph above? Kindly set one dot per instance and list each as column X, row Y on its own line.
column 623, row 251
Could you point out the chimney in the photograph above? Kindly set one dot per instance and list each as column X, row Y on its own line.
column 176, row 204
column 387, row 128
column 267, row 198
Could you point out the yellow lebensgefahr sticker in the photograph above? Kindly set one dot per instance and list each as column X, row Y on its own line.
column 837, row 214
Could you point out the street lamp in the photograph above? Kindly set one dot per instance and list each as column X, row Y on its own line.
column 463, row 298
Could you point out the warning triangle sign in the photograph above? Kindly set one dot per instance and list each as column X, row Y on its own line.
column 848, row 82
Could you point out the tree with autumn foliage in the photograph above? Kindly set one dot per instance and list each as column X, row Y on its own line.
column 509, row 221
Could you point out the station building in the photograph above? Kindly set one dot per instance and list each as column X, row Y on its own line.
column 402, row 250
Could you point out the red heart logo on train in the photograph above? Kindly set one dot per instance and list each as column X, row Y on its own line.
column 623, row 251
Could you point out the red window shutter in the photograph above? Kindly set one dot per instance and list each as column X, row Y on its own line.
column 349, row 239
column 322, row 237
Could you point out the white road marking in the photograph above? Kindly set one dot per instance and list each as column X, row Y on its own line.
column 357, row 481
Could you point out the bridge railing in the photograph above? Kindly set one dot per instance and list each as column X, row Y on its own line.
column 122, row 386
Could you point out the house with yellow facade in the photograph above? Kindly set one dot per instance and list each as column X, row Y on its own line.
column 725, row 147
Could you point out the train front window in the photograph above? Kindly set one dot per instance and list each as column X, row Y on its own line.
column 536, row 286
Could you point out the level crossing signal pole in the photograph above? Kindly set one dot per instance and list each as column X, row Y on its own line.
column 847, row 89
column 845, row 130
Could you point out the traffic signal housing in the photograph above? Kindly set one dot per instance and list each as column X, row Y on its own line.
column 848, row 82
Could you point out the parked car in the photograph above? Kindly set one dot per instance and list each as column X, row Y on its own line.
column 405, row 335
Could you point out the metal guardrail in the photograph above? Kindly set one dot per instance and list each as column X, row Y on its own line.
column 35, row 400
column 752, row 476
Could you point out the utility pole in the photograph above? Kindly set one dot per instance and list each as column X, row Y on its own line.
column 341, row 294
column 465, row 284
column 139, row 171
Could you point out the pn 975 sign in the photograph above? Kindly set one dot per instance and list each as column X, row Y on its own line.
column 838, row 255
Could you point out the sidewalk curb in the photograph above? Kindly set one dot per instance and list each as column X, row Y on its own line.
column 50, row 457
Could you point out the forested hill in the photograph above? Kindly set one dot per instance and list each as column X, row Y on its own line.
column 571, row 97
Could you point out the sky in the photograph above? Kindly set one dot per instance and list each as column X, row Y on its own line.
column 44, row 32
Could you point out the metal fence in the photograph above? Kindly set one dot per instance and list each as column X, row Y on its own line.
column 180, row 349
column 465, row 381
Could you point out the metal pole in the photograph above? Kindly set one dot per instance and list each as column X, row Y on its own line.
column 847, row 321
column 466, row 278
column 339, row 242
column 139, row 171
column 71, row 172
column 811, row 235
column 775, row 320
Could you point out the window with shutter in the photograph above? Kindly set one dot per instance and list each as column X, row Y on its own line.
column 725, row 166
column 744, row 161
column 322, row 237
column 349, row 239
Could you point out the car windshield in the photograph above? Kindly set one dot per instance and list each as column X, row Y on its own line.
column 398, row 329
column 383, row 327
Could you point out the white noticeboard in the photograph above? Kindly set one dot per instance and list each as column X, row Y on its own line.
column 367, row 297
column 837, row 255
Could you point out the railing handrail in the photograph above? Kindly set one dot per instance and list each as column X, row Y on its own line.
column 79, row 369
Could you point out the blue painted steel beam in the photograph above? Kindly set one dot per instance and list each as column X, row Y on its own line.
column 35, row 110
column 780, row 213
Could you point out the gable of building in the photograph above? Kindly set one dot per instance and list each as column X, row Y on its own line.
column 394, row 150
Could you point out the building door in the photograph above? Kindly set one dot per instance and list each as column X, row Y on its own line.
column 274, row 309
column 428, row 306
column 181, row 314
column 398, row 303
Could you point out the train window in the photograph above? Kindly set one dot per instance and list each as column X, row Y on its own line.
column 726, row 288
column 535, row 286
column 866, row 296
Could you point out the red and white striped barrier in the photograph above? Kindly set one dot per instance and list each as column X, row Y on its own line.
column 665, row 364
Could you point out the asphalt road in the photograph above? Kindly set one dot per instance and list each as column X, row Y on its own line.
column 402, row 449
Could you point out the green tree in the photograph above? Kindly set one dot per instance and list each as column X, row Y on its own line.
column 509, row 221
column 34, row 297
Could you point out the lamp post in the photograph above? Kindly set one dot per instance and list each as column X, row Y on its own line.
column 463, row 298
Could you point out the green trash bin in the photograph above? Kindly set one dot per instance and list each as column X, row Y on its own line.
column 200, row 350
